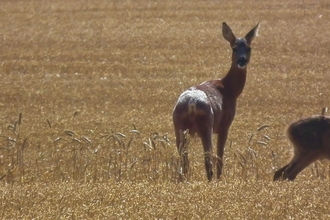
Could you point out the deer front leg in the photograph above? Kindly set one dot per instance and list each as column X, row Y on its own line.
column 222, row 138
column 279, row 173
column 300, row 162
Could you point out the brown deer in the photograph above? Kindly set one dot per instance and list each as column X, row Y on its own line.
column 210, row 107
column 310, row 138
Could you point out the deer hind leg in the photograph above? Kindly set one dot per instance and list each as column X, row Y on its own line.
column 182, row 145
column 297, row 164
column 205, row 132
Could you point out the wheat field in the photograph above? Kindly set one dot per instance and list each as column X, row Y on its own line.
column 87, row 93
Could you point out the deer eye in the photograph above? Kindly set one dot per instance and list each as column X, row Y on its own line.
column 248, row 49
column 235, row 49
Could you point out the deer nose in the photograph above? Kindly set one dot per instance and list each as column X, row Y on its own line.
column 241, row 62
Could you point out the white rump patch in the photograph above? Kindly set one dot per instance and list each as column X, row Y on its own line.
column 192, row 96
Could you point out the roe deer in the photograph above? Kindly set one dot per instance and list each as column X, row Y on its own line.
column 210, row 107
column 310, row 138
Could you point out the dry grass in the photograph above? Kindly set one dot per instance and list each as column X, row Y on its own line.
column 87, row 91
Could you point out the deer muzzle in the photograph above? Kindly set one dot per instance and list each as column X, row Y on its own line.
column 242, row 62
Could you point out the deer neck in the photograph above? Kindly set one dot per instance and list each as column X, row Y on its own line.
column 234, row 81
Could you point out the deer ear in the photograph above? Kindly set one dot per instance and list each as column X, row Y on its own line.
column 228, row 34
column 252, row 34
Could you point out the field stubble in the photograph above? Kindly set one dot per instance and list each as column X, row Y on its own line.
column 87, row 90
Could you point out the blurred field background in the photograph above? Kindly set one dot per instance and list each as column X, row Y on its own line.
column 87, row 90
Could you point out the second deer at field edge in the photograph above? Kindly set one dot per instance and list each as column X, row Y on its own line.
column 211, row 106
column 310, row 138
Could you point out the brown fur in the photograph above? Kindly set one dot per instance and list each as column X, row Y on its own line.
column 310, row 138
column 210, row 107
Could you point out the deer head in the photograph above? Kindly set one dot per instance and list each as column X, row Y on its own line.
column 241, row 46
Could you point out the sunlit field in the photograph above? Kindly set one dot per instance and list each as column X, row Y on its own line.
column 87, row 91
